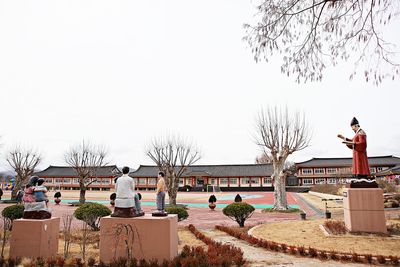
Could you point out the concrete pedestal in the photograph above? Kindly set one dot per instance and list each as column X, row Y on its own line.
column 34, row 238
column 143, row 237
column 364, row 210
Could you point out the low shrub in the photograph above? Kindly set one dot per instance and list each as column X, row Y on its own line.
column 386, row 186
column 212, row 199
column 335, row 227
column 91, row 214
column 13, row 212
column 181, row 212
column 239, row 212
column 57, row 194
column 289, row 210
column 238, row 198
column 327, row 189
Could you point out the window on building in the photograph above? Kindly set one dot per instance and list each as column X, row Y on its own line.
column 255, row 181
column 189, row 181
column 319, row 171
column 331, row 170
column 244, row 181
column 49, row 180
column 142, row 181
column 306, row 171
column 75, row 181
column 106, row 181
column 153, row 181
column 307, row 181
column 59, row 180
column 379, row 169
column 181, row 181
column 96, row 181
column 223, row 181
column 213, row 181
column 267, row 180
column 372, row 169
column 320, row 181
column 233, row 181
column 332, row 181
column 67, row 180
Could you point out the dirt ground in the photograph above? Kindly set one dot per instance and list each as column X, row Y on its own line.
column 307, row 233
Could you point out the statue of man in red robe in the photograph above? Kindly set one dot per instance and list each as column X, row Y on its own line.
column 359, row 146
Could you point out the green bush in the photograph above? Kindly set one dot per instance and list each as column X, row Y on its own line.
column 57, row 195
column 239, row 212
column 212, row 199
column 182, row 213
column 13, row 212
column 91, row 213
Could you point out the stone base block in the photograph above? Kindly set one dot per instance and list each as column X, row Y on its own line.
column 365, row 221
column 34, row 238
column 364, row 210
column 143, row 237
column 363, row 198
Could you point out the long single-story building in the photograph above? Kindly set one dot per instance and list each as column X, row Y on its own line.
column 253, row 177
column 337, row 170
column 236, row 177
column 66, row 178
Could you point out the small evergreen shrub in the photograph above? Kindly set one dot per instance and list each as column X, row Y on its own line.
column 238, row 198
column 113, row 196
column 57, row 195
column 13, row 212
column 239, row 212
column 180, row 211
column 212, row 199
column 91, row 213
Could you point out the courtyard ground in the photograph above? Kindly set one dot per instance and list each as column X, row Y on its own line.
column 272, row 226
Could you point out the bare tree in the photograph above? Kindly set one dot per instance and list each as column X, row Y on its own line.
column 313, row 34
column 86, row 159
column 263, row 159
column 280, row 135
column 23, row 161
column 172, row 155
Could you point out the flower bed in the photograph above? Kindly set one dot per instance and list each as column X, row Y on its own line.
column 308, row 252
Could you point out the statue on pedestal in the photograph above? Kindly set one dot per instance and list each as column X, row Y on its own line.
column 35, row 208
column 127, row 204
column 160, row 200
column 361, row 173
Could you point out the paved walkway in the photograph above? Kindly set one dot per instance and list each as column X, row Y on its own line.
column 259, row 257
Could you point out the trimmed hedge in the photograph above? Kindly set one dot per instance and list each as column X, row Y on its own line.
column 13, row 212
column 181, row 212
column 91, row 213
column 239, row 212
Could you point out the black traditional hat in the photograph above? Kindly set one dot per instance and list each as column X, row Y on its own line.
column 354, row 121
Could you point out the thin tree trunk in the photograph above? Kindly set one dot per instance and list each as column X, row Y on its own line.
column 82, row 193
column 18, row 183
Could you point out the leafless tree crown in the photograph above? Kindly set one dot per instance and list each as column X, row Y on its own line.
column 23, row 161
column 281, row 134
column 171, row 152
column 312, row 34
column 86, row 159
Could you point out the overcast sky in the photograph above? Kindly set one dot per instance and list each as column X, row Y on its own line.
column 118, row 73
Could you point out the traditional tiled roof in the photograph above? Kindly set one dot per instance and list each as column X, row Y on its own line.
column 343, row 162
column 390, row 171
column 66, row 171
column 245, row 170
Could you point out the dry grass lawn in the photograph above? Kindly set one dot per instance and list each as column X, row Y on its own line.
column 318, row 203
column 308, row 234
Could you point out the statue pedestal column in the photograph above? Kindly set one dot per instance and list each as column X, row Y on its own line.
column 143, row 237
column 364, row 210
column 34, row 238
